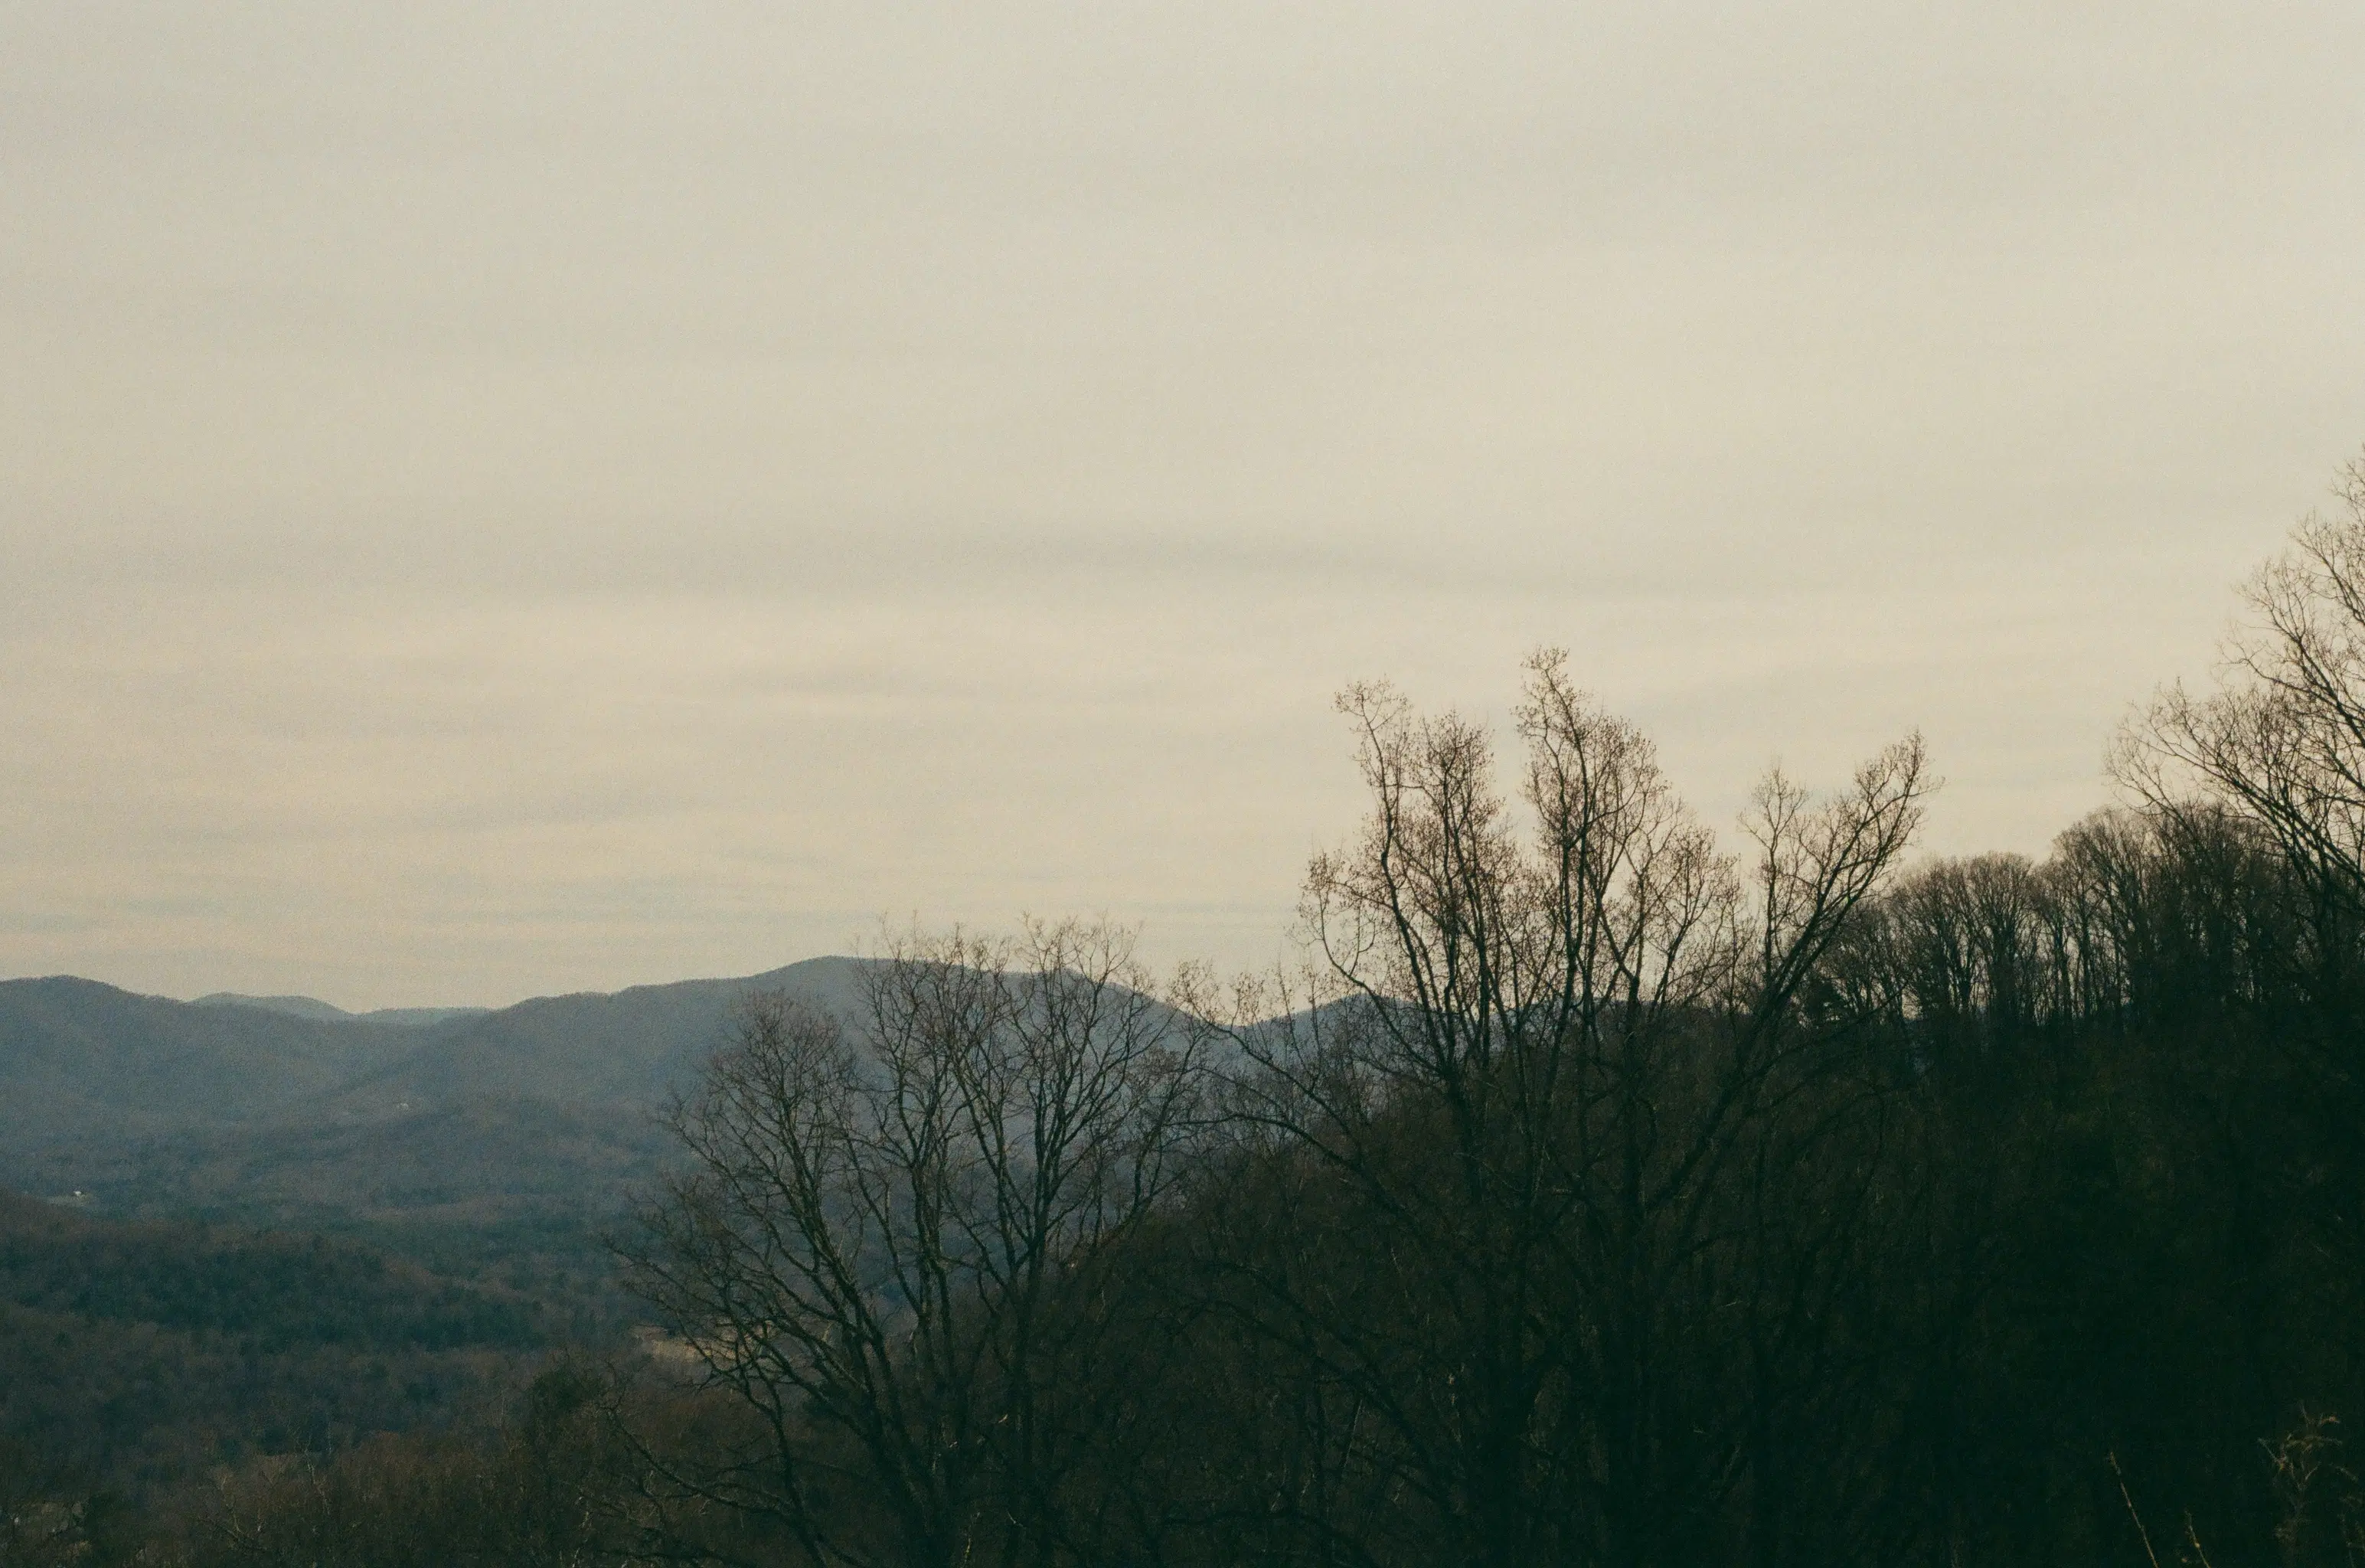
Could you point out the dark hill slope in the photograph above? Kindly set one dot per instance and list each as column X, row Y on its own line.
column 509, row 1140
column 269, row 1290
column 480, row 1161
column 78, row 1060
column 137, row 1357
column 628, row 1047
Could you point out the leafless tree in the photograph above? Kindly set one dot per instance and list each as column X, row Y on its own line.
column 892, row 1240
column 1545, row 1065
column 2282, row 739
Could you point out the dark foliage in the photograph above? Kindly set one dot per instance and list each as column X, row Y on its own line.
column 271, row 1292
column 138, row 1360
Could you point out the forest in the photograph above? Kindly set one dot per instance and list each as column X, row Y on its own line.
column 1591, row 1192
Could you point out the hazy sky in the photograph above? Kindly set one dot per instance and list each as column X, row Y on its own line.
column 508, row 498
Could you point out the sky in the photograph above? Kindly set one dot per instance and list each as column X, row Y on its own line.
column 497, row 501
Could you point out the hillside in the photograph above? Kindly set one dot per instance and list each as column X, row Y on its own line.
column 80, row 1059
column 138, row 1355
column 627, row 1047
column 506, row 1140
column 275, row 1291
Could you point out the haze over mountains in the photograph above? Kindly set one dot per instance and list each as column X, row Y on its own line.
column 521, row 1130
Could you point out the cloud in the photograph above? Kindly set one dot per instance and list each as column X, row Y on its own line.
column 509, row 501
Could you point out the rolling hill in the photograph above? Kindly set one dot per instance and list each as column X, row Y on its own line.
column 508, row 1138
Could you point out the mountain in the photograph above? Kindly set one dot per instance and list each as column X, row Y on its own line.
column 629, row 1046
column 508, row 1139
column 79, row 1059
column 320, row 1012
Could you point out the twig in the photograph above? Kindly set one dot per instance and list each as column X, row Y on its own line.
column 2194, row 1536
column 2128, row 1499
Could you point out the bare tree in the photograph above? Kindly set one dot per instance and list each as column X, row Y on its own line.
column 1543, row 1066
column 2282, row 739
column 891, row 1242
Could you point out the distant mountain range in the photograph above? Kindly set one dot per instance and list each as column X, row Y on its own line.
column 79, row 1059
column 320, row 1012
column 533, row 1123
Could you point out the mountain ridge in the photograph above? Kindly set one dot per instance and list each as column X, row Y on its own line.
column 320, row 1012
column 533, row 1120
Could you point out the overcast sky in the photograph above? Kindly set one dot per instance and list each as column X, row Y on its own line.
column 497, row 500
